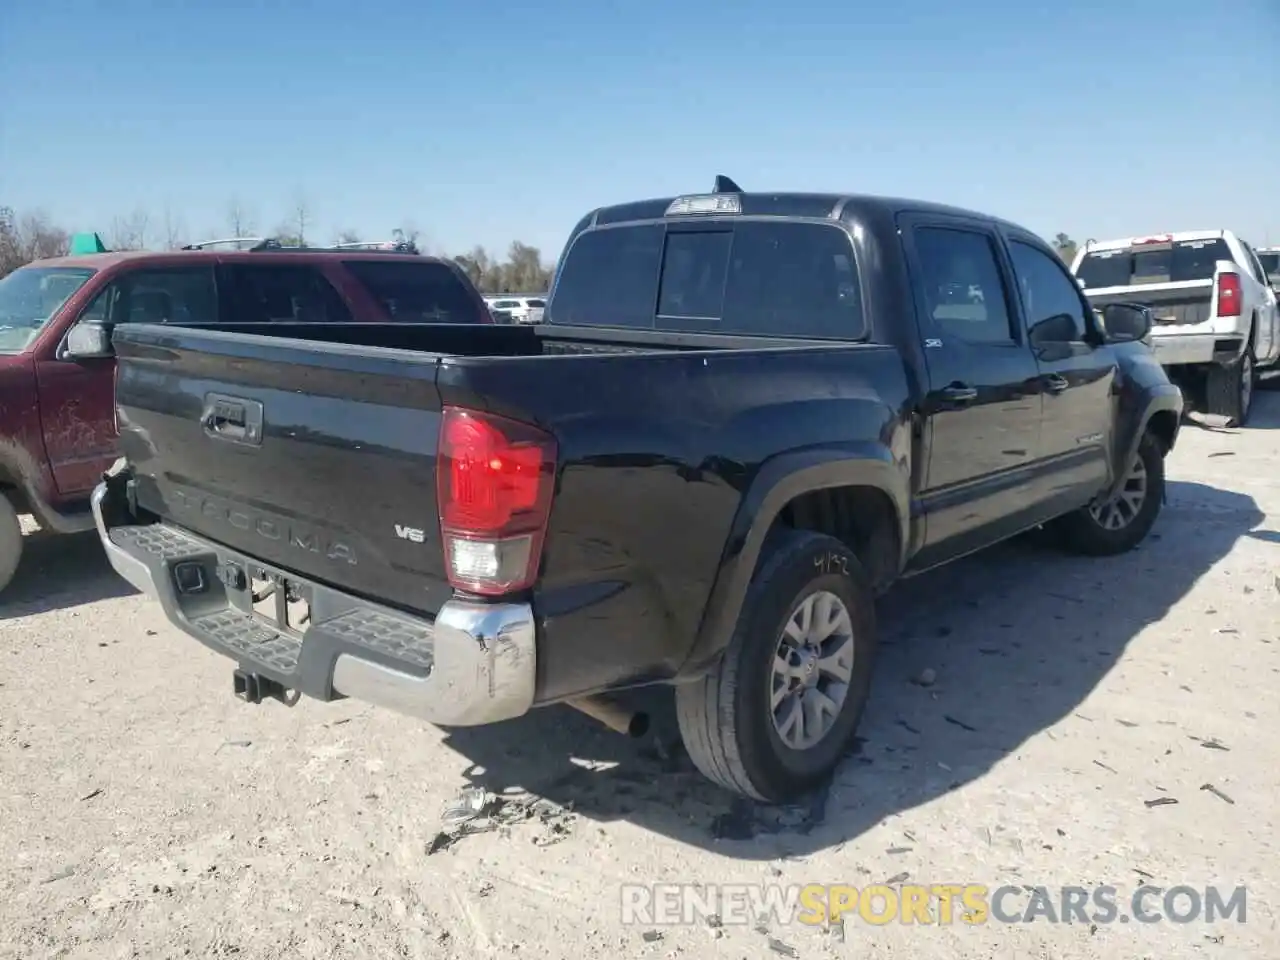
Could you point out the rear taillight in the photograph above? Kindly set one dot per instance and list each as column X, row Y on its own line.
column 494, row 480
column 1229, row 295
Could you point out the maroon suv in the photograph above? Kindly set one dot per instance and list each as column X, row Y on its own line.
column 57, row 421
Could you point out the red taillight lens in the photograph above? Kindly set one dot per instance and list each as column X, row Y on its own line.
column 1229, row 295
column 494, row 480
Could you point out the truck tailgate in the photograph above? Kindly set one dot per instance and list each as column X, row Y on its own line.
column 316, row 458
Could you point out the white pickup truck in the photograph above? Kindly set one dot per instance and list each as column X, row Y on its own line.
column 1216, row 320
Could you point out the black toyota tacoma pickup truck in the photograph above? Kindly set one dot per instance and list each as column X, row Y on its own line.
column 744, row 416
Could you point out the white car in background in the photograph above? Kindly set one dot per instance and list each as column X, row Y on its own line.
column 1216, row 320
column 521, row 309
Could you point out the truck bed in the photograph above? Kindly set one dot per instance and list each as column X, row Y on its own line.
column 344, row 462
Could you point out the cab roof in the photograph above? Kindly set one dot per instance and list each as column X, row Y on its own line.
column 815, row 205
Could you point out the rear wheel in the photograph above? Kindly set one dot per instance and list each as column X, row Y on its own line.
column 10, row 541
column 1122, row 522
column 1229, row 389
column 775, row 716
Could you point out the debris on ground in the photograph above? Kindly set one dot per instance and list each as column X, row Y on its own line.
column 786, row 949
column 1210, row 788
column 925, row 678
column 476, row 810
column 1160, row 802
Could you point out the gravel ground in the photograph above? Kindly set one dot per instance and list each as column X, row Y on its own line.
column 148, row 813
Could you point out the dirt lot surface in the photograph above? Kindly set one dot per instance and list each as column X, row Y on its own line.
column 1087, row 722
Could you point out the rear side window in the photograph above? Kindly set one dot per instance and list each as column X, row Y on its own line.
column 416, row 292
column 1167, row 263
column 280, row 293
column 766, row 278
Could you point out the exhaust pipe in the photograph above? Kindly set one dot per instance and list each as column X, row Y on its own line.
column 630, row 723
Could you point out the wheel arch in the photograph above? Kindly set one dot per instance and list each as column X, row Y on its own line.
column 858, row 493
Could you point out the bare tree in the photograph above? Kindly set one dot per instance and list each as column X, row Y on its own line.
column 239, row 219
column 300, row 219
column 1065, row 247
column 407, row 232
column 32, row 237
column 129, row 233
column 175, row 230
column 347, row 236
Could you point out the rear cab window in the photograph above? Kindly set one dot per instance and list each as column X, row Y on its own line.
column 1175, row 262
column 778, row 278
column 414, row 292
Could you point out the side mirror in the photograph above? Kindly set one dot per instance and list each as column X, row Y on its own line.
column 1126, row 322
column 88, row 341
column 1060, row 328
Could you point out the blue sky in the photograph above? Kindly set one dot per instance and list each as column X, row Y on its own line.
column 483, row 123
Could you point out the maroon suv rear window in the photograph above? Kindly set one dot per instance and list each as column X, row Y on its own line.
column 417, row 292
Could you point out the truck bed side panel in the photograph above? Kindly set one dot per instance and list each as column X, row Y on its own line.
column 657, row 452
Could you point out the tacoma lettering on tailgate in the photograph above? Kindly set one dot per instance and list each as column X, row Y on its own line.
column 277, row 531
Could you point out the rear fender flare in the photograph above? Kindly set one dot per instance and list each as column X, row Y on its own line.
column 779, row 481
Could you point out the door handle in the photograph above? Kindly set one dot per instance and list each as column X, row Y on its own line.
column 1055, row 384
column 959, row 393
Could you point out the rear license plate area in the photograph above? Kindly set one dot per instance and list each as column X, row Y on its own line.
column 281, row 603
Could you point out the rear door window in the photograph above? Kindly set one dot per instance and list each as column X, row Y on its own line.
column 283, row 293
column 1178, row 262
column 962, row 286
column 753, row 277
column 413, row 292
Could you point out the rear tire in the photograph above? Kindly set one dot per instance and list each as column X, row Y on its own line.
column 10, row 541
column 1229, row 389
column 1123, row 522
column 745, row 723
